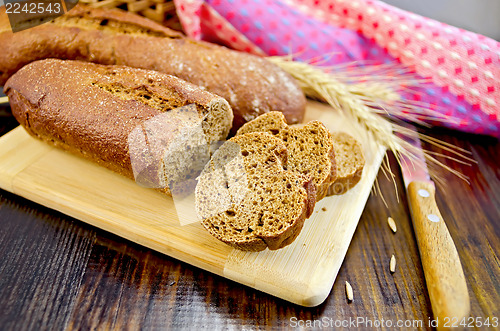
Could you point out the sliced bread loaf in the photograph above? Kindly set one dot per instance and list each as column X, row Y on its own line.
column 310, row 147
column 350, row 162
column 94, row 110
column 247, row 199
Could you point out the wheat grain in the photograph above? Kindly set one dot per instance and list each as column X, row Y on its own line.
column 392, row 264
column 392, row 224
column 348, row 291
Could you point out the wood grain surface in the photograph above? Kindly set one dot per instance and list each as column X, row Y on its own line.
column 58, row 273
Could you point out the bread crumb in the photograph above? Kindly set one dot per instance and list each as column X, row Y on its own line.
column 323, row 209
column 392, row 224
column 392, row 264
column 348, row 291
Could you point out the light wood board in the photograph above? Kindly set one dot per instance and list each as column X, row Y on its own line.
column 303, row 272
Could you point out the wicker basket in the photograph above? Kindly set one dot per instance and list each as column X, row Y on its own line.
column 161, row 11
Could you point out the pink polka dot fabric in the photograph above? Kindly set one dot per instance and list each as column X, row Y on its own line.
column 462, row 67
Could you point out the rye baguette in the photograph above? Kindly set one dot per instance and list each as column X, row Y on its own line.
column 91, row 110
column 252, row 85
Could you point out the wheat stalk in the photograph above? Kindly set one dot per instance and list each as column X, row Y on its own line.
column 365, row 96
column 317, row 83
column 376, row 91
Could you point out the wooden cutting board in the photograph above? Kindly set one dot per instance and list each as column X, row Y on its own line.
column 303, row 272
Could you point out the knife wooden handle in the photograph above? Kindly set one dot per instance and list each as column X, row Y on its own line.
column 443, row 272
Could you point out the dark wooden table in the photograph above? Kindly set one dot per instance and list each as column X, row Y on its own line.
column 59, row 273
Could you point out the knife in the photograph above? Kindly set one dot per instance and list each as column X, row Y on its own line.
column 4, row 101
column 440, row 261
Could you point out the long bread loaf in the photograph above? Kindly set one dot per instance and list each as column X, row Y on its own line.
column 91, row 110
column 252, row 85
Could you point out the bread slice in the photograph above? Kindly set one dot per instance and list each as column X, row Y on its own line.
column 350, row 163
column 247, row 199
column 310, row 147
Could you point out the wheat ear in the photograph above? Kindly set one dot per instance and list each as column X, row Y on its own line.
column 364, row 102
column 317, row 83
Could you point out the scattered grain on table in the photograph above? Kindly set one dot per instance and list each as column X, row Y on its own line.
column 348, row 291
column 392, row 224
column 392, row 264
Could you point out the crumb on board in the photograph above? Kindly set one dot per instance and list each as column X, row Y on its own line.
column 323, row 209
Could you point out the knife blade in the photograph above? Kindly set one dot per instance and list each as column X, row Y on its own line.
column 4, row 101
column 440, row 260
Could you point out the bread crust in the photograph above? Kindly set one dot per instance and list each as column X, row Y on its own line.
column 252, row 85
column 66, row 104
